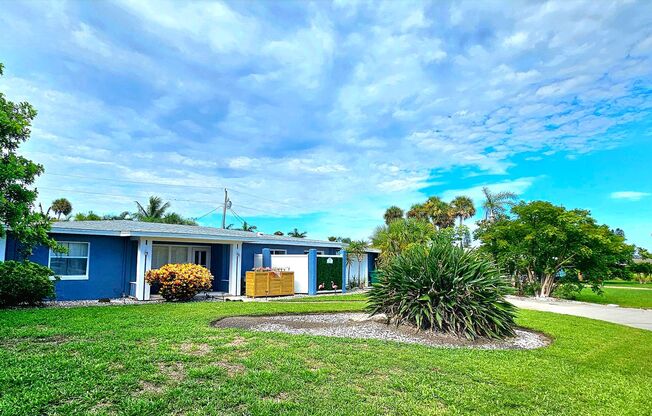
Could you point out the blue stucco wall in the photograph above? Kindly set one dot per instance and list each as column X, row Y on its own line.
column 109, row 267
column 220, row 266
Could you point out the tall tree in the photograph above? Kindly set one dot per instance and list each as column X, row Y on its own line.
column 297, row 234
column 418, row 212
column 543, row 242
column 393, row 213
column 439, row 212
column 155, row 209
column 61, row 206
column 279, row 233
column 17, row 175
column 463, row 208
column 356, row 251
column 248, row 227
column 497, row 204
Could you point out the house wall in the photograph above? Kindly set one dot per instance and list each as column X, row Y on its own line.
column 109, row 266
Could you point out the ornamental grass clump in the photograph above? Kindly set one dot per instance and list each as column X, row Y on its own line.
column 444, row 288
column 180, row 281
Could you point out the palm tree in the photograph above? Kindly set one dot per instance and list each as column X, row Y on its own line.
column 298, row 234
column 463, row 208
column 496, row 204
column 155, row 209
column 248, row 227
column 356, row 250
column 439, row 212
column 418, row 212
column 333, row 238
column 393, row 213
column 61, row 206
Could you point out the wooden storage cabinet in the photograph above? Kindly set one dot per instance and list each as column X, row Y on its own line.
column 260, row 284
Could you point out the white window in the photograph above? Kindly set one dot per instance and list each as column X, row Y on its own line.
column 278, row 251
column 163, row 254
column 72, row 265
column 319, row 252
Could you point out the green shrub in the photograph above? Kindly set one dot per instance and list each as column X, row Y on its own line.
column 567, row 290
column 25, row 283
column 180, row 281
column 444, row 288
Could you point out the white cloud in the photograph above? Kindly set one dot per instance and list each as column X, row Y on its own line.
column 629, row 195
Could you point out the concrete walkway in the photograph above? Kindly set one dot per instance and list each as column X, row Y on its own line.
column 637, row 318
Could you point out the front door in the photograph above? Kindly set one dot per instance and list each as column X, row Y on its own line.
column 201, row 256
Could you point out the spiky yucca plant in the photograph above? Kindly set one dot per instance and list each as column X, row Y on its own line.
column 444, row 288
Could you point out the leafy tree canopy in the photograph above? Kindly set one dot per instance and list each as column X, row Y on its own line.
column 17, row 175
column 544, row 242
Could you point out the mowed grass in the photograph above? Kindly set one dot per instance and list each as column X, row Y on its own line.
column 628, row 298
column 166, row 359
column 628, row 283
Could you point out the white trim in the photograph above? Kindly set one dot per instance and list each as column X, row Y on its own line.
column 87, row 257
column 190, row 258
column 226, row 239
column 143, row 265
column 277, row 251
column 319, row 252
column 235, row 267
column 3, row 247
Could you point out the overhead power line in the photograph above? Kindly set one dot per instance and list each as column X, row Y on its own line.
column 182, row 185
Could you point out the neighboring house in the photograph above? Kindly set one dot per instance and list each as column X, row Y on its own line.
column 109, row 259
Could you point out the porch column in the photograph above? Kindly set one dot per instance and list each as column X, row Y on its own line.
column 344, row 277
column 143, row 264
column 312, row 271
column 3, row 247
column 267, row 258
column 235, row 268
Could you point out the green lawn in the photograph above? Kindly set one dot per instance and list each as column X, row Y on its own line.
column 628, row 283
column 166, row 359
column 629, row 298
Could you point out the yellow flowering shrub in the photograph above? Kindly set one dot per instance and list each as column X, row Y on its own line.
column 180, row 281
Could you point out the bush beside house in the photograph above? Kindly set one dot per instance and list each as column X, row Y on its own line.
column 25, row 283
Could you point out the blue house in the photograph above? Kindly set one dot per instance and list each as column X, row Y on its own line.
column 109, row 259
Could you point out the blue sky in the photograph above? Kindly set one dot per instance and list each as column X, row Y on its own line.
column 319, row 115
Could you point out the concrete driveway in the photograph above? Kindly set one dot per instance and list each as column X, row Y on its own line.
column 637, row 318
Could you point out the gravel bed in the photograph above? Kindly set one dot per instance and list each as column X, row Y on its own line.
column 360, row 325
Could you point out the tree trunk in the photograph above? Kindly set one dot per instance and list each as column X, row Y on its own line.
column 547, row 285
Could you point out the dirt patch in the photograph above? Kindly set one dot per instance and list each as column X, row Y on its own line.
column 148, row 387
column 195, row 349
column 174, row 371
column 33, row 341
column 237, row 342
column 232, row 369
column 360, row 325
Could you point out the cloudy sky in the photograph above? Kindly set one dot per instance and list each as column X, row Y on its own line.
column 320, row 115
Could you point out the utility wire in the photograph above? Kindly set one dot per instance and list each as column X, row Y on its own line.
column 168, row 184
